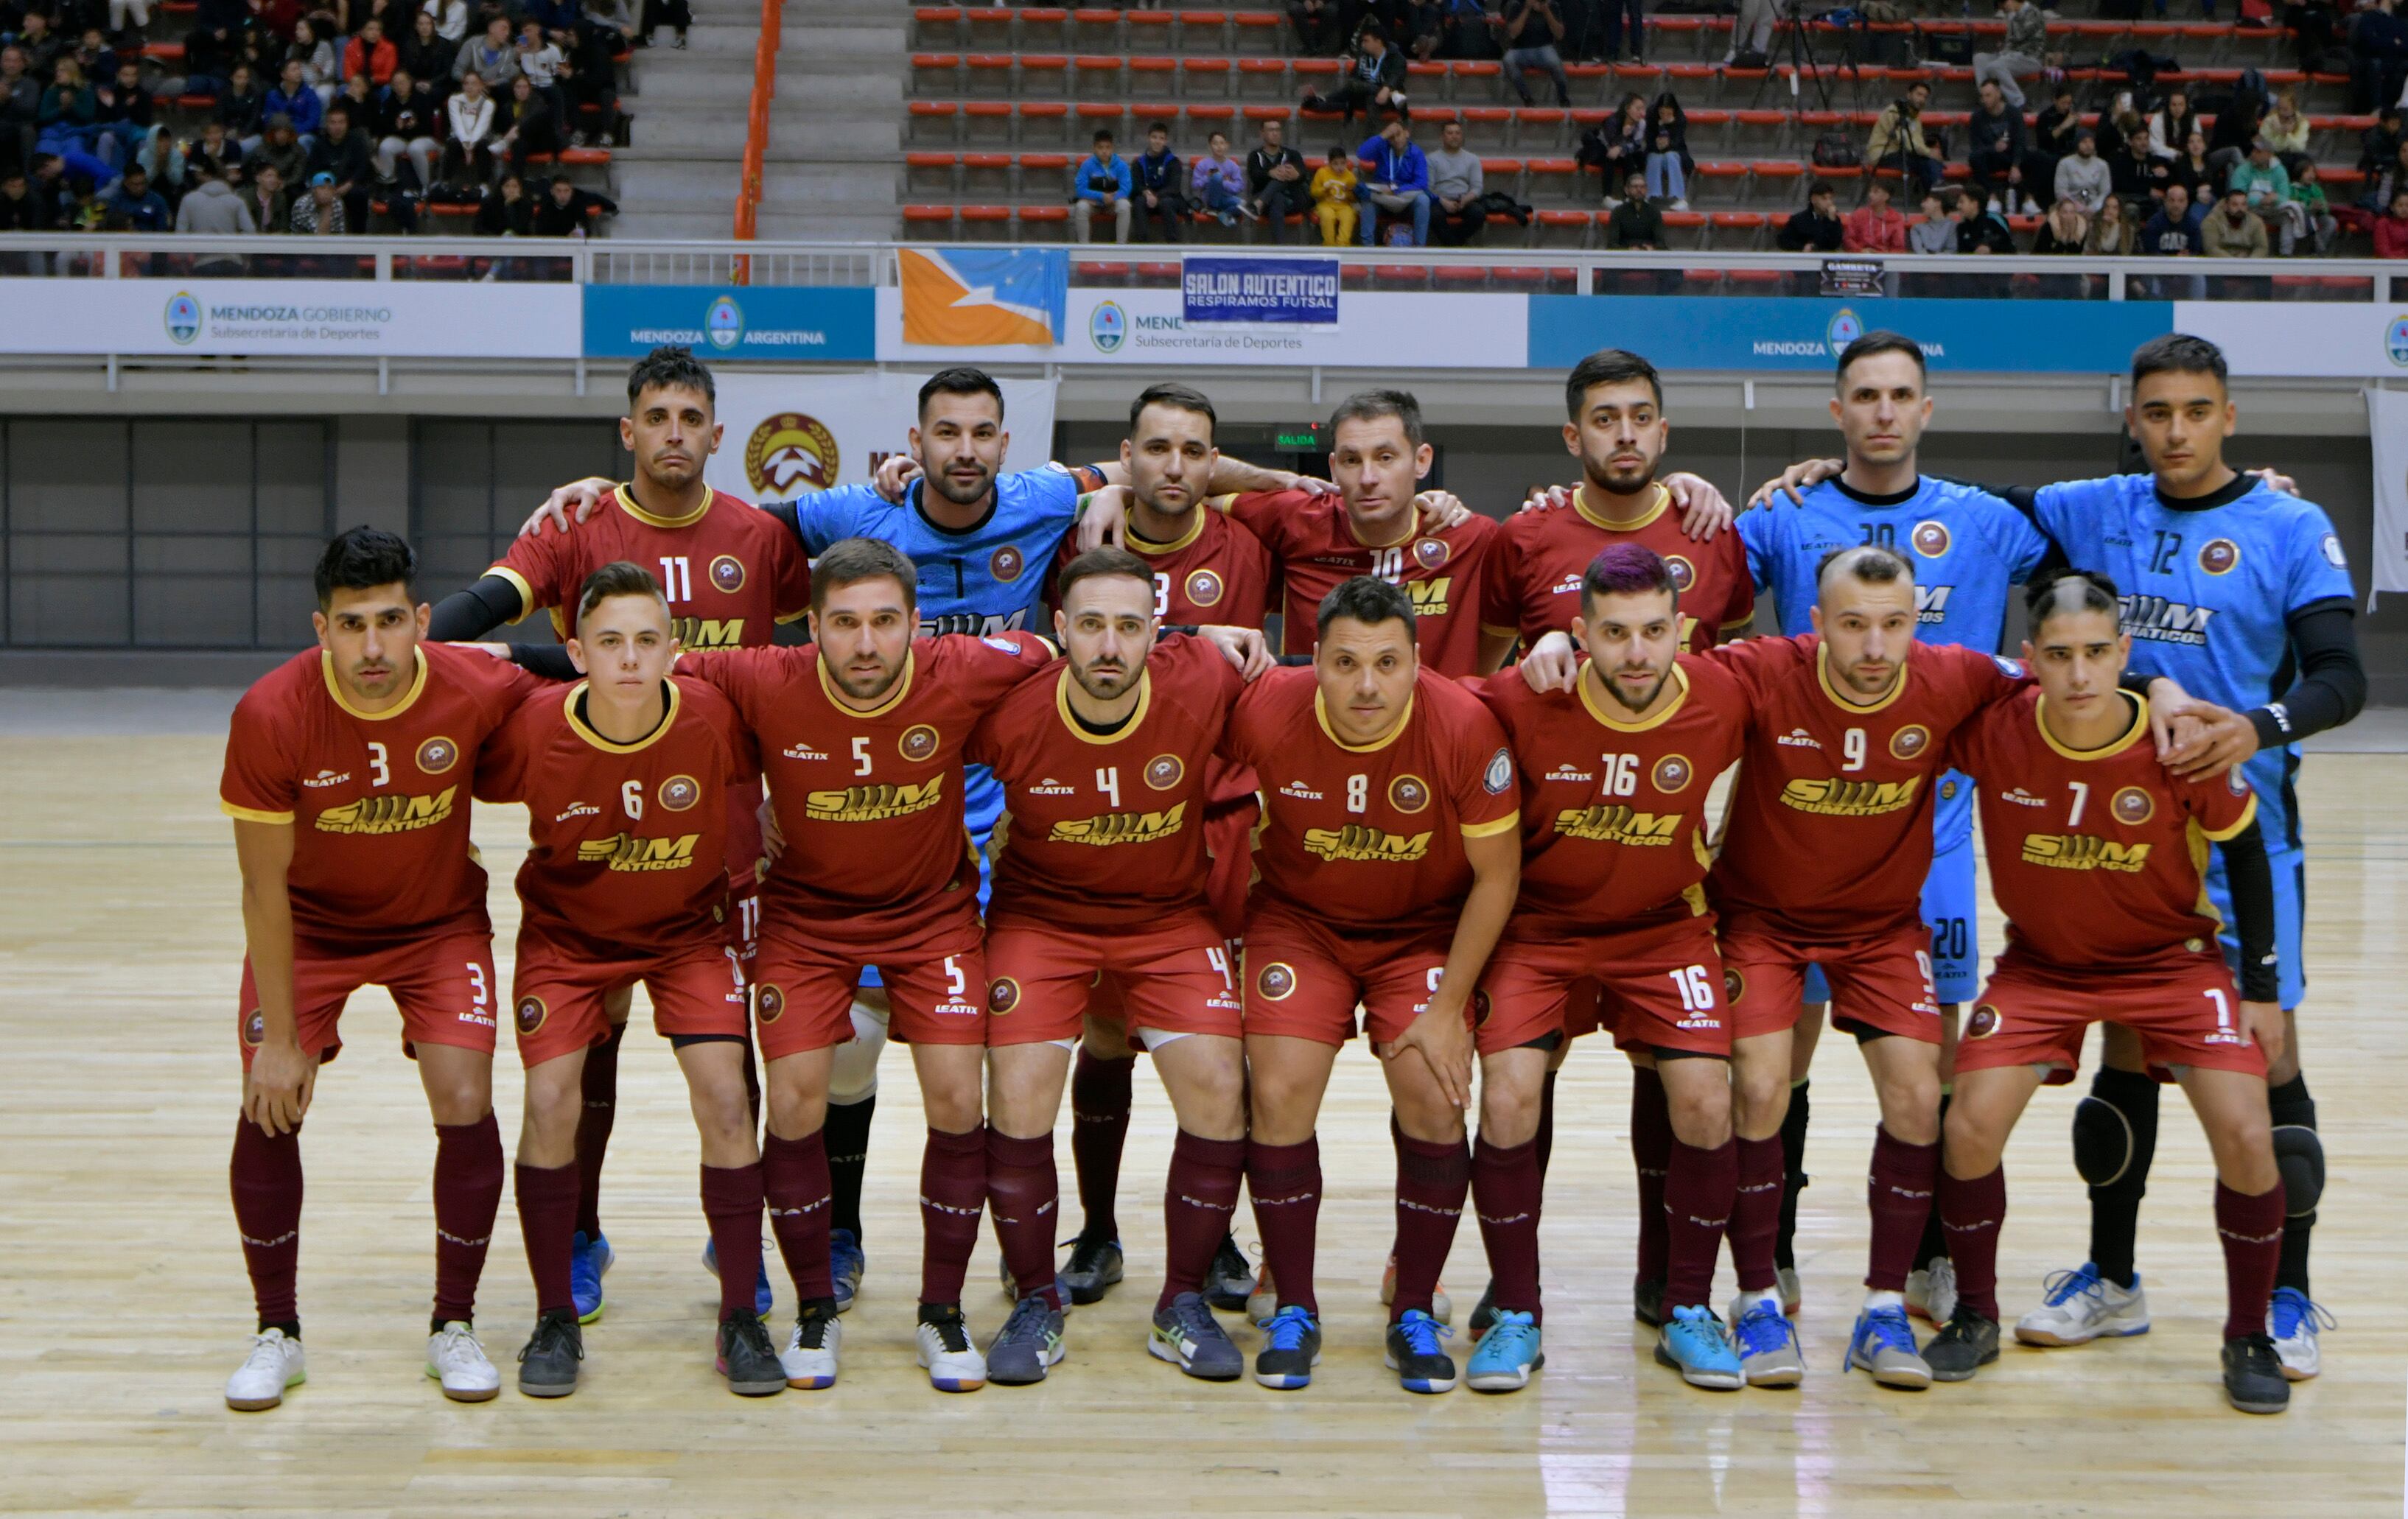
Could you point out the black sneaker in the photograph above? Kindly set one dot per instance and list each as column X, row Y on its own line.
column 1095, row 1268
column 1484, row 1318
column 1968, row 1342
column 1647, row 1303
column 548, row 1365
column 1413, row 1355
column 1291, row 1349
column 2253, row 1376
column 746, row 1359
column 1229, row 1281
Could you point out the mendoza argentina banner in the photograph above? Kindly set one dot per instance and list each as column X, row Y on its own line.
column 2387, row 424
column 789, row 435
column 1296, row 291
column 786, row 323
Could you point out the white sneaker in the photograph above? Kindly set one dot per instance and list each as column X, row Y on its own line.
column 2292, row 1322
column 810, row 1355
column 274, row 1364
column 1931, row 1293
column 455, row 1359
column 2080, row 1308
column 950, row 1357
column 1679, row 204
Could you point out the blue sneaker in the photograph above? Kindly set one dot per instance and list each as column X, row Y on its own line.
column 1413, row 1355
column 1694, row 1343
column 2292, row 1322
column 1766, row 1341
column 1882, row 1342
column 1291, row 1349
column 588, row 1257
column 846, row 1262
column 1508, row 1351
column 762, row 1300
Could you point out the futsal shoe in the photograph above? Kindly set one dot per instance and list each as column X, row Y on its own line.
column 762, row 1300
column 1964, row 1345
column 1094, row 1269
column 751, row 1368
column 2082, row 1306
column 1882, row 1342
column 1291, row 1349
column 547, row 1362
column 589, row 1258
column 952, row 1362
column 454, row 1359
column 1793, row 1292
column 1441, row 1307
column 1187, row 1336
column 1647, row 1302
column 809, row 1359
column 1029, row 1342
column 1263, row 1302
column 1230, row 1280
column 1931, row 1292
column 1413, row 1356
column 2254, row 1376
column 1695, row 1343
column 2292, row 1323
column 273, row 1365
column 846, row 1262
column 1766, row 1341
column 1508, row 1354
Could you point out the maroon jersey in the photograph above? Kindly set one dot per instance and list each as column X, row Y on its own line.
column 2097, row 859
column 877, row 859
column 1107, row 831
column 1371, row 838
column 1214, row 572
column 627, row 843
column 1614, row 812
column 378, row 802
column 1828, row 832
column 1534, row 576
column 1313, row 542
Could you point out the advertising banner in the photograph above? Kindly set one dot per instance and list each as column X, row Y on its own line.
column 1296, row 291
column 2386, row 422
column 983, row 297
column 785, row 322
column 1375, row 330
column 326, row 318
column 789, row 435
column 1677, row 332
column 2306, row 339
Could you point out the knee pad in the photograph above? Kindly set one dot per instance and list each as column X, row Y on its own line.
column 2300, row 1155
column 2102, row 1142
column 855, row 1076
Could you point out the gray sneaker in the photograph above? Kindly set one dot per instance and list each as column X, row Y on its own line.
column 1094, row 1269
column 1187, row 1335
column 1767, row 1343
column 548, row 1364
column 1882, row 1342
column 1030, row 1342
column 1964, row 1345
column 1231, row 1280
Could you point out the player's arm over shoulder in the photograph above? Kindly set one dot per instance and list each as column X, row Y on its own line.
column 503, row 769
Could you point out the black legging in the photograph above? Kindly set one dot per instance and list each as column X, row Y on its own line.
column 673, row 13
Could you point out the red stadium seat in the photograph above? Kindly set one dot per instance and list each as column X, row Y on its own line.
column 1460, row 276
column 1259, row 30
column 933, row 121
column 937, row 25
column 1054, row 219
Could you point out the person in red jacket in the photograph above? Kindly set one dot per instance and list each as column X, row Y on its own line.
column 1874, row 227
column 370, row 53
column 2391, row 232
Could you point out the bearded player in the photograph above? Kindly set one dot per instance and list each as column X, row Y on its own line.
column 1389, row 864
column 346, row 775
column 625, row 881
column 2097, row 855
column 1101, row 871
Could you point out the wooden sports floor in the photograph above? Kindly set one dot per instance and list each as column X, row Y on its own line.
column 123, row 1301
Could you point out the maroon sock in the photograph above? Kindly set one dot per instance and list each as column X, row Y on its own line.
column 1433, row 1179
column 1285, row 1181
column 1699, row 1186
column 548, row 1221
column 1651, row 1152
column 1196, row 1206
column 1971, row 1214
column 731, row 1204
column 1897, row 1188
column 1505, row 1189
column 952, row 1195
column 1756, row 1213
column 467, row 1196
column 1544, row 1144
column 1024, row 1194
column 599, row 1081
column 2251, row 1231
column 794, row 1184
column 1099, row 1123
column 266, row 1179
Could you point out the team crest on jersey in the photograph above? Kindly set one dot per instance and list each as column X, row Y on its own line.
column 679, row 792
column 1409, row 794
column 2133, row 807
column 1734, row 985
column 254, row 1028
column 437, row 754
column 727, row 573
column 769, row 1004
column 1930, row 539
column 1909, row 741
column 918, row 742
column 1204, row 588
column 1499, row 777
column 1431, row 552
column 1984, row 1023
column 1276, row 982
column 1005, row 564
column 1164, row 771
column 2333, row 556
column 2219, row 556
column 530, row 1016
column 1672, row 773
column 1683, row 573
column 1003, row 995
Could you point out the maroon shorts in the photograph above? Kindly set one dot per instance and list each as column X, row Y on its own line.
column 443, row 985
column 1662, row 992
column 2186, row 1011
column 557, row 994
column 1230, row 838
column 1880, row 983
column 1043, row 982
column 803, row 995
column 1304, row 979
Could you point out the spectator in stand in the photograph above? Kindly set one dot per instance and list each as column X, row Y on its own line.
column 2174, row 122
column 1156, row 182
column 1998, row 144
column 2391, row 231
column 451, row 19
column 1334, row 187
column 1635, row 224
column 524, row 128
column 406, row 120
column 2378, row 52
column 2190, row 168
column 371, row 54
column 20, row 109
column 675, row 14
column 2235, row 129
column 1980, row 229
column 540, row 62
column 2260, row 181
column 2112, row 233
column 1816, row 229
column 2175, row 232
column 293, row 100
column 218, row 151
column 2065, row 229
column 427, row 54
column 1668, row 163
column 1876, row 226
column 1374, row 82
column 1100, row 184
column 43, row 46
column 2286, row 130
column 344, row 152
column 1937, row 232
column 469, row 154
column 1217, row 182
column 1420, row 27
column 144, row 209
column 2232, row 230
column 1897, row 140
column 212, row 208
column 319, row 213
column 1318, row 29
column 2083, row 179
column 589, row 89
column 2379, row 144
column 2308, row 214
column 23, row 209
column 1532, row 29
column 242, row 107
column 281, row 147
column 2025, row 53
column 1456, row 182
column 68, row 117
column 1626, row 31
column 125, row 113
column 213, row 45
column 570, row 212
column 1752, row 34
column 2054, row 134
column 492, row 57
column 1277, row 179
column 128, row 17
column 358, row 97
column 322, row 67
column 1618, row 147
column 1396, row 179
column 2128, row 154
column 2386, row 181
column 507, row 212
